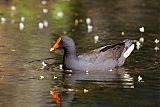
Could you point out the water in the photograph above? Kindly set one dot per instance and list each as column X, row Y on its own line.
column 22, row 52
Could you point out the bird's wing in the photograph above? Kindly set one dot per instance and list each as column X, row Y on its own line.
column 103, row 53
column 113, row 51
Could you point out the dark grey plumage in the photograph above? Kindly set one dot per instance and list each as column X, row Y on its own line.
column 103, row 58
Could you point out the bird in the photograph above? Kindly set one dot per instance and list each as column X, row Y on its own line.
column 103, row 58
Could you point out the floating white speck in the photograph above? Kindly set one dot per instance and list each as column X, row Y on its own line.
column 156, row 48
column 13, row 8
column 141, row 39
column 88, row 21
column 87, row 72
column 41, row 77
column 60, row 66
column 13, row 50
column 69, row 71
column 138, row 45
column 43, row 2
column 85, row 91
column 65, row 32
column 76, row 22
column 70, row 90
column 45, row 23
column 140, row 79
column 40, row 25
column 43, row 65
column 89, row 28
column 141, row 29
column 110, row 70
column 55, row 77
column 3, row 20
column 126, row 76
column 45, row 10
column 22, row 19
column 96, row 39
column 69, row 74
column 122, row 33
column 80, row 20
column 156, row 41
column 21, row 26
column 60, row 14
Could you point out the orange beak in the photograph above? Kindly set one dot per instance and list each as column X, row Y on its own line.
column 56, row 45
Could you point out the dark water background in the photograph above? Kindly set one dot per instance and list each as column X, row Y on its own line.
column 22, row 52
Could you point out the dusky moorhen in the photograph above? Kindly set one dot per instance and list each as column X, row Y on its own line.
column 104, row 58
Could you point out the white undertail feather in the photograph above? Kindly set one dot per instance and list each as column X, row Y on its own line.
column 128, row 51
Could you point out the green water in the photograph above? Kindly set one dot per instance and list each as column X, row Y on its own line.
column 22, row 52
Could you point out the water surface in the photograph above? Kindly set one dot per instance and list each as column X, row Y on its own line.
column 22, row 52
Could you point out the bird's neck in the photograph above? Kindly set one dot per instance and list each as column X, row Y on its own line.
column 70, row 53
column 69, row 58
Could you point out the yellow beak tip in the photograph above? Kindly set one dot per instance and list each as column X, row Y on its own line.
column 51, row 49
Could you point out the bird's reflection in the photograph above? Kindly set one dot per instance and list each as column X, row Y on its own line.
column 110, row 79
